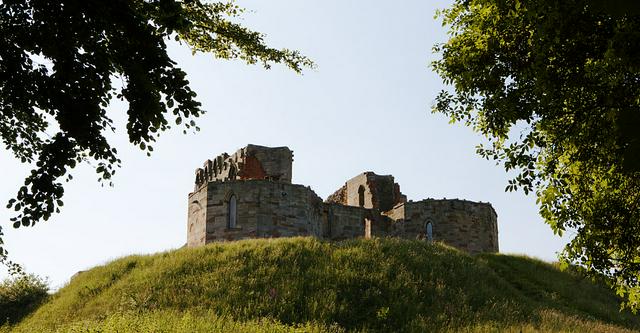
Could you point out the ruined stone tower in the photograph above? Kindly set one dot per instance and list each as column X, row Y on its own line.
column 249, row 194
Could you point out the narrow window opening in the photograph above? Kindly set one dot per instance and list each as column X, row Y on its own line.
column 361, row 196
column 429, row 231
column 233, row 212
column 367, row 228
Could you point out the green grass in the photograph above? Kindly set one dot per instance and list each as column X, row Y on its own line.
column 306, row 285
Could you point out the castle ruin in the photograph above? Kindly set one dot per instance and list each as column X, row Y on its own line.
column 249, row 194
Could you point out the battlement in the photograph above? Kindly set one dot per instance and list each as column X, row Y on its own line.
column 250, row 162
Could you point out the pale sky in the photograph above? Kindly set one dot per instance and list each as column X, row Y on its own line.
column 365, row 108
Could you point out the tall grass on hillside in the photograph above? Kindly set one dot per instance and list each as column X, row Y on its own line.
column 178, row 321
column 303, row 284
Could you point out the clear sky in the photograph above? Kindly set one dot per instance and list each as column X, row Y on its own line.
column 365, row 108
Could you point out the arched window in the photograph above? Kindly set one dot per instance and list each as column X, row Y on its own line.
column 232, row 212
column 361, row 196
column 429, row 231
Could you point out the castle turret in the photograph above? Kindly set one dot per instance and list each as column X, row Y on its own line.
column 250, row 162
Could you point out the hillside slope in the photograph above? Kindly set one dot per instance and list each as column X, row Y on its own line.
column 303, row 285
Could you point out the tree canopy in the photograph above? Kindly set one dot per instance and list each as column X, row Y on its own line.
column 554, row 87
column 58, row 62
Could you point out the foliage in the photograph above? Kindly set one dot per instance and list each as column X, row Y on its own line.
column 554, row 85
column 20, row 295
column 379, row 285
column 58, row 62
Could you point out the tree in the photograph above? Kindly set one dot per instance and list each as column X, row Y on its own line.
column 554, row 87
column 20, row 295
column 58, row 61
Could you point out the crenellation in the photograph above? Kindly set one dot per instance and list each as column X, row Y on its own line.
column 249, row 194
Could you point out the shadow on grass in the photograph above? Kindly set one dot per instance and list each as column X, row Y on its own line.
column 547, row 287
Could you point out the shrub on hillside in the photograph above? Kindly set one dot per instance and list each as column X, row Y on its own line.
column 21, row 295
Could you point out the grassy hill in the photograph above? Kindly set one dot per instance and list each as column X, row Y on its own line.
column 306, row 285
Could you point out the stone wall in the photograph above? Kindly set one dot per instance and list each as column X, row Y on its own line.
column 467, row 225
column 196, row 231
column 264, row 209
column 355, row 186
column 344, row 222
column 270, row 209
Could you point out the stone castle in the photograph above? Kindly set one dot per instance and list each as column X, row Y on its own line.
column 249, row 194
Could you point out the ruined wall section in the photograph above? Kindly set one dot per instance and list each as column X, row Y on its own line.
column 339, row 196
column 385, row 192
column 271, row 163
column 398, row 197
column 196, row 227
column 381, row 193
column 396, row 213
column 250, row 162
column 353, row 186
column 264, row 209
column 467, row 225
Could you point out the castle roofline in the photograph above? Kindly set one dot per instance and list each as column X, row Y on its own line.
column 266, row 147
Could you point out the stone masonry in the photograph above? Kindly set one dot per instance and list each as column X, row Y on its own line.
column 249, row 195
